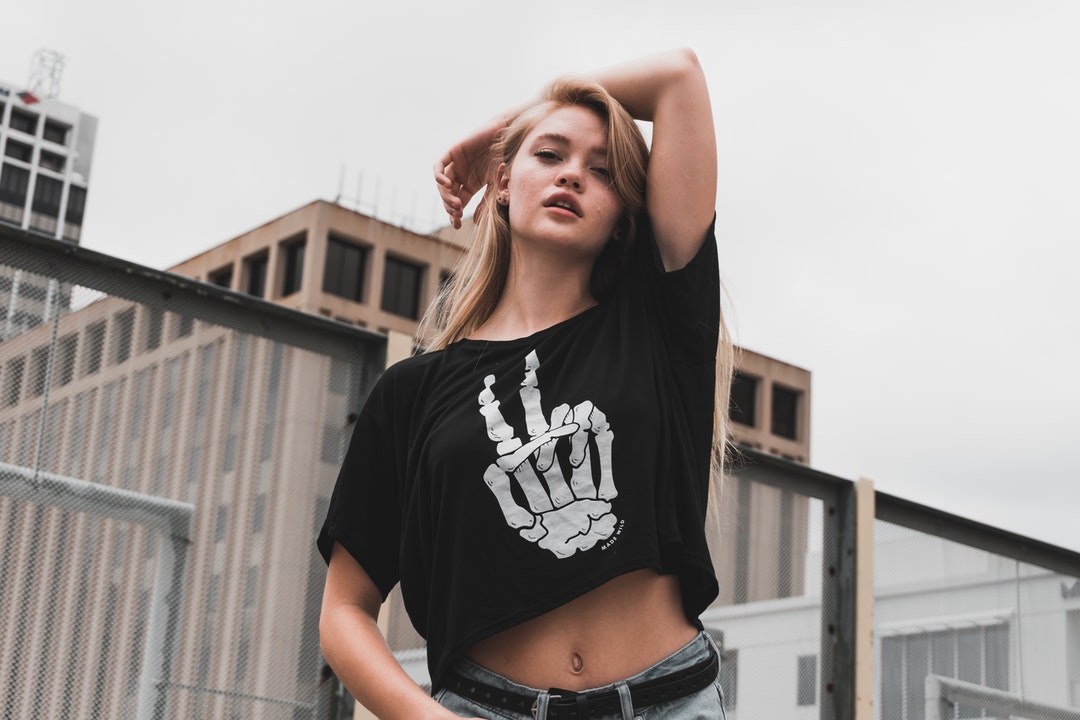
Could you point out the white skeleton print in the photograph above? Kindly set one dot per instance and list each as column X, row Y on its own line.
column 561, row 518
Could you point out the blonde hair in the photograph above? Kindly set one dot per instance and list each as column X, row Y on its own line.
column 470, row 297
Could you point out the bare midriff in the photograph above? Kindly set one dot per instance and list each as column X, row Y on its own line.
column 617, row 630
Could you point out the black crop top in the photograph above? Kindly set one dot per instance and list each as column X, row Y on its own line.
column 499, row 480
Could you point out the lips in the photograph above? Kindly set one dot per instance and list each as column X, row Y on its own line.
column 565, row 201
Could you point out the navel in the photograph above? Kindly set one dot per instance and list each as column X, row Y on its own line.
column 577, row 665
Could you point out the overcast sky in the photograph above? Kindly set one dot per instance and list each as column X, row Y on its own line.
column 898, row 207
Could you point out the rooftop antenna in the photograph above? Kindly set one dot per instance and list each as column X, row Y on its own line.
column 46, row 69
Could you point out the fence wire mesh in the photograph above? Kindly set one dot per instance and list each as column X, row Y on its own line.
column 959, row 612
column 247, row 427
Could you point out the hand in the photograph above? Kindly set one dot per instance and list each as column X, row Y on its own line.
column 465, row 169
column 562, row 518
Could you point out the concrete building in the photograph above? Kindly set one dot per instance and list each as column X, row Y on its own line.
column 158, row 403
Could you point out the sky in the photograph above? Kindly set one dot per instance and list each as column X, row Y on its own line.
column 898, row 194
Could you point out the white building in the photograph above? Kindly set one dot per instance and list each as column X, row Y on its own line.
column 46, row 148
column 939, row 608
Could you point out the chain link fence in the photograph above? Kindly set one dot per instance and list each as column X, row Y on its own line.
column 984, row 619
column 122, row 389
column 167, row 452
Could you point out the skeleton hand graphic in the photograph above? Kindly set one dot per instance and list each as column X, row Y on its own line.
column 561, row 518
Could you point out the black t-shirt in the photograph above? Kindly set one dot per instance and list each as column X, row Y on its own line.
column 497, row 480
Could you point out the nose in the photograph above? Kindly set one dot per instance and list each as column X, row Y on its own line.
column 570, row 177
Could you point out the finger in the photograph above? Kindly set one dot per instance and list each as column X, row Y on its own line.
column 498, row 482
column 511, row 460
column 547, row 462
column 535, row 494
column 498, row 429
column 535, row 423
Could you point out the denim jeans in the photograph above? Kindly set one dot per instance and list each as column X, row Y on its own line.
column 707, row 704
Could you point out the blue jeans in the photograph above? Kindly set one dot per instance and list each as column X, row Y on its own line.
column 707, row 704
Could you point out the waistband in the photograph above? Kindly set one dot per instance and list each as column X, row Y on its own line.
column 686, row 671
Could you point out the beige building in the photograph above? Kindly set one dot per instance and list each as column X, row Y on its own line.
column 251, row 432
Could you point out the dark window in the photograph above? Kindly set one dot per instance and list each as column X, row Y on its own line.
column 221, row 277
column 76, row 205
column 56, row 132
column 39, row 367
column 154, row 324
column 401, row 287
column 65, row 359
column 13, row 376
column 294, row 266
column 47, row 193
column 19, row 151
column 184, row 326
column 807, row 680
column 94, row 347
column 785, row 412
column 13, row 184
column 52, row 161
column 346, row 268
column 978, row 655
column 33, row 291
column 123, row 329
column 23, row 121
column 743, row 406
column 255, row 268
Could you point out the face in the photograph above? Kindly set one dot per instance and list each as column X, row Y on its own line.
column 558, row 186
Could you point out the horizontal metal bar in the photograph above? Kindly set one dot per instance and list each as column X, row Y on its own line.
column 172, row 516
column 998, row 702
column 785, row 474
column 978, row 535
column 242, row 696
column 180, row 294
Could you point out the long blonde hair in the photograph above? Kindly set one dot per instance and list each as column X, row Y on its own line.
column 465, row 302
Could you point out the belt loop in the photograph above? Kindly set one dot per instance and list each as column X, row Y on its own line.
column 540, row 707
column 625, row 703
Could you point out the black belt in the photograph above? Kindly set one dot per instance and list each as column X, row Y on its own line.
column 570, row 705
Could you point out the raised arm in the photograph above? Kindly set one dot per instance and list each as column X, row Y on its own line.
column 669, row 90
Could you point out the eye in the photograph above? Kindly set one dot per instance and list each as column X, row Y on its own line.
column 546, row 154
column 602, row 172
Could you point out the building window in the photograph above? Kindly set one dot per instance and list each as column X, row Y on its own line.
column 14, row 182
column 39, row 368
column 23, row 121
column 401, row 287
column 47, row 193
column 13, row 376
column 76, row 205
column 785, row 412
column 743, row 404
column 978, row 655
column 19, row 151
column 65, row 359
column 806, row 688
column 221, row 277
column 255, row 275
column 56, row 132
column 153, row 328
column 52, row 161
column 94, row 345
column 123, row 329
column 293, row 251
column 346, row 269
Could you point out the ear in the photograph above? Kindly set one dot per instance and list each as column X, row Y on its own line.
column 502, row 179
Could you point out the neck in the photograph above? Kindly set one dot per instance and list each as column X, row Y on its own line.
column 537, row 295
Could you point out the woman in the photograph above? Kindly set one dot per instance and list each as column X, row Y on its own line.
column 538, row 479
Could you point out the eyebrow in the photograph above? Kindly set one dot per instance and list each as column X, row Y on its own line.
column 562, row 139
